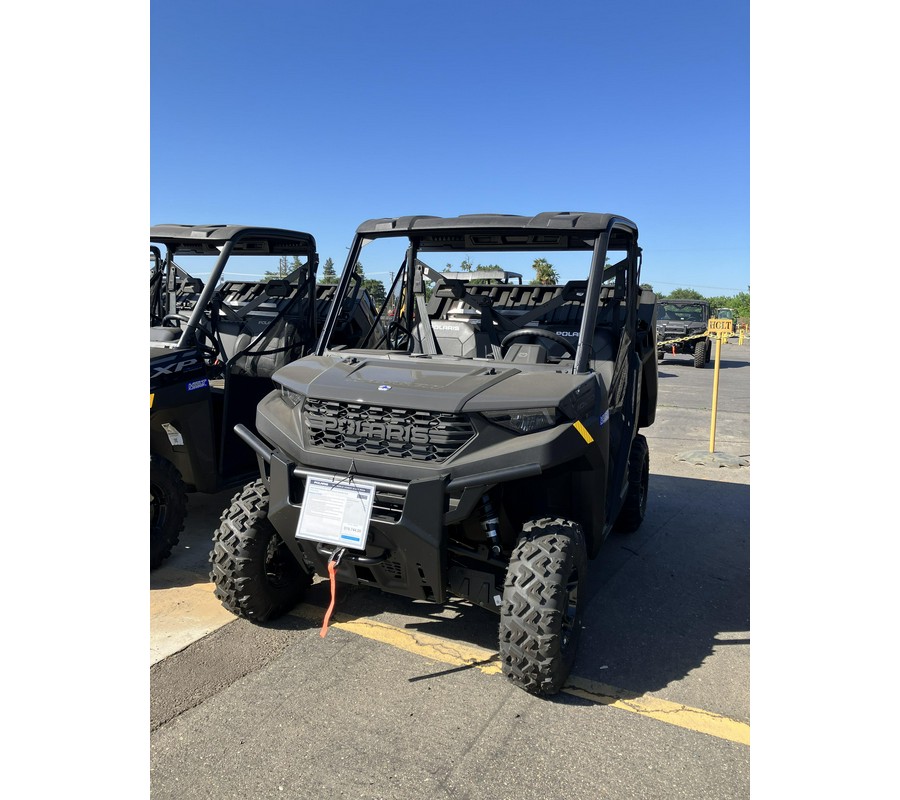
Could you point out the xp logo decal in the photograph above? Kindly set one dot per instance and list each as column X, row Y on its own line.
column 170, row 366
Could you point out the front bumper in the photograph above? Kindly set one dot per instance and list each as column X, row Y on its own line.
column 410, row 550
column 678, row 342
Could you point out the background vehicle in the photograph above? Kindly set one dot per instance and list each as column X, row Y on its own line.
column 214, row 346
column 726, row 313
column 677, row 319
column 494, row 428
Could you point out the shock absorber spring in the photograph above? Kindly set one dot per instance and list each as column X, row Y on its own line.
column 490, row 522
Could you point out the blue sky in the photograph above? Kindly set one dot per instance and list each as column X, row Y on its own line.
column 319, row 115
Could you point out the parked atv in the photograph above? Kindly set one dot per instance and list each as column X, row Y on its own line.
column 214, row 346
column 678, row 323
column 481, row 445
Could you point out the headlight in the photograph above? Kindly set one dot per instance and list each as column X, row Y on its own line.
column 526, row 420
column 293, row 399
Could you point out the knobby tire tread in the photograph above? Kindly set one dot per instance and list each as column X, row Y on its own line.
column 238, row 560
column 164, row 534
column 532, row 650
column 635, row 506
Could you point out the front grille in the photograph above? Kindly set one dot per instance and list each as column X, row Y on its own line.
column 383, row 431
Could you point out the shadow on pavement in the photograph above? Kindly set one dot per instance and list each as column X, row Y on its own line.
column 659, row 598
column 689, row 362
column 656, row 599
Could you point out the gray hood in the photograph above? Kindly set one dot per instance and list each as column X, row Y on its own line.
column 433, row 384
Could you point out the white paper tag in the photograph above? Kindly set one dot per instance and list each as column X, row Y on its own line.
column 175, row 438
column 336, row 511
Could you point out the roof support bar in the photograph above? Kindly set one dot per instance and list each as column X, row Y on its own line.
column 187, row 336
column 591, row 303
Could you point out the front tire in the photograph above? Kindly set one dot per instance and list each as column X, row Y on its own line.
column 256, row 576
column 700, row 350
column 540, row 615
column 168, row 508
column 635, row 506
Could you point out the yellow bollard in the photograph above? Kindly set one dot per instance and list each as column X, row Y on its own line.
column 715, row 397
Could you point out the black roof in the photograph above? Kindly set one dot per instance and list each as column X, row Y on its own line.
column 248, row 239
column 553, row 220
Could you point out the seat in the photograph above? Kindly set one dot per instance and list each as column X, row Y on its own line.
column 455, row 338
column 158, row 333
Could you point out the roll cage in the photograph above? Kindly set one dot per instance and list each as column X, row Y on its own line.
column 608, row 297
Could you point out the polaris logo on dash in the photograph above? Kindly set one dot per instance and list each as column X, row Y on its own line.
column 384, row 388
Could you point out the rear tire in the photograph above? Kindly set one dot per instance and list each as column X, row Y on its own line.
column 168, row 508
column 700, row 349
column 635, row 506
column 540, row 616
column 256, row 576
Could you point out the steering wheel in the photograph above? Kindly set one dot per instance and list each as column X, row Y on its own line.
column 533, row 333
column 211, row 351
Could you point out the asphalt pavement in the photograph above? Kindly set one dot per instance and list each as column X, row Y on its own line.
column 404, row 699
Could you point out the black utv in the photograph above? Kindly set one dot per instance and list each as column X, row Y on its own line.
column 214, row 346
column 679, row 328
column 480, row 446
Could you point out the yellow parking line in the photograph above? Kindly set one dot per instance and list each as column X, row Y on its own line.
column 421, row 644
column 694, row 719
column 487, row 661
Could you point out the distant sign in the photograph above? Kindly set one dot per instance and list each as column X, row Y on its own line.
column 725, row 326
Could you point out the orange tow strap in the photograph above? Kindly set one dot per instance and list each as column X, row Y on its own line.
column 331, row 566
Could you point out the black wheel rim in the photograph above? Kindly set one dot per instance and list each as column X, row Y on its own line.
column 570, row 612
column 278, row 563
column 158, row 506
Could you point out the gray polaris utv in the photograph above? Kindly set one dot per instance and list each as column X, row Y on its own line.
column 480, row 446
column 683, row 321
column 214, row 345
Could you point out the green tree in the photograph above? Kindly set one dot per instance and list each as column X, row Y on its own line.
column 464, row 266
column 739, row 303
column 328, row 273
column 374, row 287
column 285, row 267
column 376, row 290
column 685, row 294
column 544, row 273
